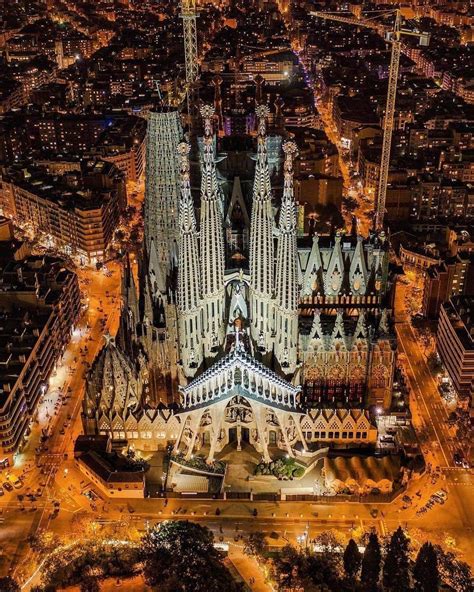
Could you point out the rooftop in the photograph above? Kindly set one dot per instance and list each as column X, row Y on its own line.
column 460, row 312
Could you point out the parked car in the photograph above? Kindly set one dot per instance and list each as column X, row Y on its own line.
column 17, row 483
column 7, row 486
column 1, row 491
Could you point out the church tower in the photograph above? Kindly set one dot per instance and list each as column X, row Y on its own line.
column 162, row 188
column 261, row 245
column 286, row 289
column 212, row 245
column 130, row 312
column 189, row 284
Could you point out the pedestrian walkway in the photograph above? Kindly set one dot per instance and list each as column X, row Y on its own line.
column 249, row 569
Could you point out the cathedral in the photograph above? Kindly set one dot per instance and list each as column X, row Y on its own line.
column 238, row 328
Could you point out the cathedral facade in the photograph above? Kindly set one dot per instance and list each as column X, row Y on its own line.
column 243, row 330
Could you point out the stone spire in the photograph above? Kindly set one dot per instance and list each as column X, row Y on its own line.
column 162, row 186
column 261, row 244
column 286, row 292
column 130, row 312
column 212, row 245
column 112, row 384
column 189, row 284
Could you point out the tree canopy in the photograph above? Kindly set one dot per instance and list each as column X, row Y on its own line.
column 179, row 556
column 352, row 559
column 8, row 584
column 396, row 574
column 425, row 571
column 371, row 563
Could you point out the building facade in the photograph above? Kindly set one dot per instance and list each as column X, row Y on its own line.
column 39, row 303
column 289, row 349
column 455, row 343
column 78, row 211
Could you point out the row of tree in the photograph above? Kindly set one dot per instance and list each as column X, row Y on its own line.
column 387, row 566
column 179, row 556
column 173, row 556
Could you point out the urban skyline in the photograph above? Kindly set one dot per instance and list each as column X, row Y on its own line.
column 237, row 274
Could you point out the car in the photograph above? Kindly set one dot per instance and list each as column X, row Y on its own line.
column 1, row 491
column 442, row 493
column 7, row 486
column 457, row 458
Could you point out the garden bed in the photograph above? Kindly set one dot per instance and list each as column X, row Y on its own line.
column 283, row 468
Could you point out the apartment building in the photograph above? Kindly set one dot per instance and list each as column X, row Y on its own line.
column 77, row 212
column 455, row 342
column 39, row 305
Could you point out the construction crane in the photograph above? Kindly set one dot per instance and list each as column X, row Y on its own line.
column 395, row 38
column 189, row 16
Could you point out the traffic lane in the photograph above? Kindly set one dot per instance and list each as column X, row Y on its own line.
column 57, row 442
column 417, row 366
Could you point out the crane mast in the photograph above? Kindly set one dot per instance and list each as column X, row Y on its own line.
column 388, row 124
column 390, row 104
column 189, row 16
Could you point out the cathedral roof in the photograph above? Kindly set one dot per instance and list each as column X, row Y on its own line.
column 257, row 373
column 322, row 325
column 112, row 381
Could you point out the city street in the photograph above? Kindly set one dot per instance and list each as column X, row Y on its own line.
column 430, row 419
column 365, row 205
column 59, row 416
column 282, row 521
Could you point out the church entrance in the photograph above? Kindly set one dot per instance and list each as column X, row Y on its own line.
column 244, row 435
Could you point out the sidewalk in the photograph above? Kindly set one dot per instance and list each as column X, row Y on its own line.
column 248, row 568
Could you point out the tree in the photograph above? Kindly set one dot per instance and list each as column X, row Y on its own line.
column 311, row 572
column 352, row 559
column 434, row 362
column 425, row 571
column 290, row 569
column 179, row 556
column 454, row 572
column 255, row 544
column 329, row 540
column 396, row 574
column 371, row 562
column 8, row 584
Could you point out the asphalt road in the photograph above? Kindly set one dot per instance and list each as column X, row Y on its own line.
column 21, row 520
column 281, row 521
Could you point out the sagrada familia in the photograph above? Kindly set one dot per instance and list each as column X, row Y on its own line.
column 243, row 330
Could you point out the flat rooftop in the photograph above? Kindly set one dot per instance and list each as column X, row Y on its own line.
column 460, row 312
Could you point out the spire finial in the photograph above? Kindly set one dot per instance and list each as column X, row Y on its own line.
column 186, row 208
column 287, row 212
column 291, row 151
column 109, row 339
column 262, row 112
column 207, row 113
